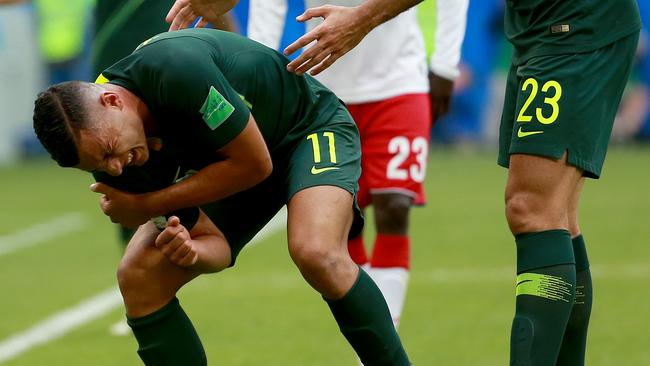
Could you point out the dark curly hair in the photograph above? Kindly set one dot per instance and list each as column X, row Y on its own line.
column 59, row 111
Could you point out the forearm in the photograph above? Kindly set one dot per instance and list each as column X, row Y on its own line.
column 210, row 184
column 376, row 12
column 8, row 2
column 213, row 253
column 246, row 162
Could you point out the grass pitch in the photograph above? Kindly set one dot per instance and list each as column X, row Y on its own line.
column 460, row 301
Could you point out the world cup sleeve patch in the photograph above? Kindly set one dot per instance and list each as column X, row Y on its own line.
column 216, row 109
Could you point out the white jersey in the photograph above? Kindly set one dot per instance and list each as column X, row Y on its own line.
column 390, row 61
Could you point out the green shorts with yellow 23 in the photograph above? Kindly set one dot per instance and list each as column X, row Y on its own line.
column 566, row 103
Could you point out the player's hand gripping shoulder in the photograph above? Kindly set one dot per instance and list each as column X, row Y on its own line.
column 122, row 207
column 184, row 12
column 176, row 244
column 342, row 29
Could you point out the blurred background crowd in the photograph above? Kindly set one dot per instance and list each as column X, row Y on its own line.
column 49, row 41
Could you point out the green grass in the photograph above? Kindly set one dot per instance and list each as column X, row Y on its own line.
column 460, row 300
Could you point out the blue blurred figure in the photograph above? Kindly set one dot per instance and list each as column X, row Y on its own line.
column 260, row 30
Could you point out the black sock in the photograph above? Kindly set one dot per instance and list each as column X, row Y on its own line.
column 545, row 293
column 574, row 343
column 364, row 320
column 167, row 338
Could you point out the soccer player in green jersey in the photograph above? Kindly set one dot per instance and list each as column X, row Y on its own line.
column 246, row 137
column 570, row 65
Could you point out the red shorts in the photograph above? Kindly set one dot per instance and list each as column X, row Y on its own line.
column 394, row 146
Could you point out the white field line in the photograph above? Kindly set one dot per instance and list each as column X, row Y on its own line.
column 41, row 232
column 63, row 322
column 60, row 324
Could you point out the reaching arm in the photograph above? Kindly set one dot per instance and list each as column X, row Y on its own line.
column 8, row 2
column 342, row 29
column 184, row 12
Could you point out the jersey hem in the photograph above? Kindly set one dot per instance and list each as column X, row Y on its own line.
column 360, row 98
column 519, row 58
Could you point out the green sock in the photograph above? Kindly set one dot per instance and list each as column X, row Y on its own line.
column 364, row 320
column 167, row 338
column 574, row 343
column 546, row 278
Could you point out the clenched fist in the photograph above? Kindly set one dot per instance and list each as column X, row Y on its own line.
column 176, row 244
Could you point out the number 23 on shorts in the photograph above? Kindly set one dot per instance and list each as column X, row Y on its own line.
column 552, row 91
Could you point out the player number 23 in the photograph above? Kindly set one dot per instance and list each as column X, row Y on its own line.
column 552, row 101
column 402, row 148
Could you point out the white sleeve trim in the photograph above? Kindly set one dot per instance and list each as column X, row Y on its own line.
column 450, row 31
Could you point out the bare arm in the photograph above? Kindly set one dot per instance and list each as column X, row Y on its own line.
column 8, row 2
column 184, row 12
column 246, row 163
column 342, row 29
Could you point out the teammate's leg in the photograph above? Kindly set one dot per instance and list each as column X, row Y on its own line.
column 319, row 221
column 390, row 261
column 537, row 195
column 149, row 281
column 574, row 343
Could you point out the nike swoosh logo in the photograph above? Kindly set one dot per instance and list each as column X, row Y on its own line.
column 315, row 170
column 521, row 133
column 524, row 281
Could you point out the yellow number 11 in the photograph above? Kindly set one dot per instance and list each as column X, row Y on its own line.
column 316, row 146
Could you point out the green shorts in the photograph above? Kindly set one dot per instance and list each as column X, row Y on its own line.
column 329, row 155
column 566, row 103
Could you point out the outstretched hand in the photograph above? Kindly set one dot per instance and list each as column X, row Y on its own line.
column 122, row 207
column 184, row 12
column 342, row 29
column 176, row 244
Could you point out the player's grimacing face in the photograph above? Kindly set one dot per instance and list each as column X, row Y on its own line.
column 115, row 141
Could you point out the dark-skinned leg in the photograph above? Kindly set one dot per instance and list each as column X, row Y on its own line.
column 390, row 261
column 318, row 224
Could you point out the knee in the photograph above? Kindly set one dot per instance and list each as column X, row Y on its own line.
column 528, row 212
column 130, row 275
column 392, row 213
column 315, row 260
column 521, row 213
column 328, row 270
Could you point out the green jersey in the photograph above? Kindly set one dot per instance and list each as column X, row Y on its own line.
column 550, row 27
column 120, row 26
column 201, row 86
